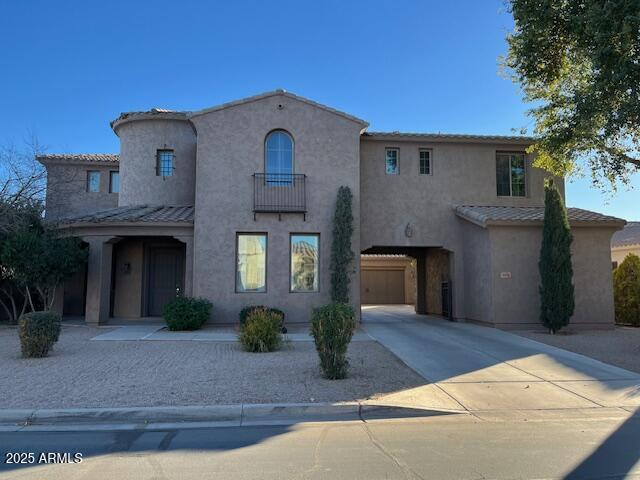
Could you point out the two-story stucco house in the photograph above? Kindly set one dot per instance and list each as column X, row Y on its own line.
column 235, row 203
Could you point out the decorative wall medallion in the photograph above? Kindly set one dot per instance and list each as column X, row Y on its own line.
column 408, row 231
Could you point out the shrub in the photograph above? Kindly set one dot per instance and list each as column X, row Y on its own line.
column 246, row 311
column 186, row 313
column 626, row 291
column 261, row 331
column 38, row 332
column 332, row 327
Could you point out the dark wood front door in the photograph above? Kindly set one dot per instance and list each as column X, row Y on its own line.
column 166, row 277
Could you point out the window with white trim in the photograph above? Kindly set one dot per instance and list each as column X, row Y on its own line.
column 510, row 174
column 425, row 162
column 391, row 161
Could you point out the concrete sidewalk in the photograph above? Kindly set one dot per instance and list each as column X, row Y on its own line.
column 159, row 332
column 77, row 419
column 482, row 369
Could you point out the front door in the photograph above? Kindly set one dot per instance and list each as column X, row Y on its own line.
column 166, row 277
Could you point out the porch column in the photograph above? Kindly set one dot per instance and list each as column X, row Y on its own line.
column 98, row 279
column 188, row 264
column 421, row 283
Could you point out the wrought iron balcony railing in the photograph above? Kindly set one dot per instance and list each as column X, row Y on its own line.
column 279, row 193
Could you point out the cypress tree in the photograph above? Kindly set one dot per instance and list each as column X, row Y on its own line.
column 556, row 271
column 341, row 254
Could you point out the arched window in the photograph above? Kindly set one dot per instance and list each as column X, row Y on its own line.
column 278, row 152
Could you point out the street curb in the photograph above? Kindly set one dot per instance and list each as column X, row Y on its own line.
column 217, row 415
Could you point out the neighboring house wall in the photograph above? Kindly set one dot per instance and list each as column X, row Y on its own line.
column 230, row 149
column 618, row 254
column 462, row 174
column 67, row 193
column 139, row 142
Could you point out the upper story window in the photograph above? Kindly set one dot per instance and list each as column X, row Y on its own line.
column 510, row 174
column 114, row 182
column 164, row 163
column 93, row 181
column 391, row 160
column 278, row 153
column 425, row 162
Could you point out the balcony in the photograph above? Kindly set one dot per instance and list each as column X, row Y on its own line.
column 279, row 193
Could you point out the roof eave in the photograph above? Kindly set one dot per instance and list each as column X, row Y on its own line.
column 364, row 124
column 107, row 224
column 523, row 142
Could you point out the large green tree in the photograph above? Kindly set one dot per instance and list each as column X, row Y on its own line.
column 39, row 260
column 579, row 62
column 556, row 272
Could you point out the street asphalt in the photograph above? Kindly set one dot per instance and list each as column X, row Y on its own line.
column 452, row 446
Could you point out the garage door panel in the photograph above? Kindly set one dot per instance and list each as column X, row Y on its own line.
column 382, row 286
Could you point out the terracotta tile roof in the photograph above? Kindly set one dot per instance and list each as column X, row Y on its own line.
column 160, row 113
column 136, row 213
column 80, row 157
column 629, row 235
column 492, row 215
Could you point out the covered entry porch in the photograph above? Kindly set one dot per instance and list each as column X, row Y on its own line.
column 139, row 259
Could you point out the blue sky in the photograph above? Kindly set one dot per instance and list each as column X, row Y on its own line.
column 69, row 68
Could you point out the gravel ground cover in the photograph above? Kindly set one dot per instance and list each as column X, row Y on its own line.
column 84, row 373
column 620, row 346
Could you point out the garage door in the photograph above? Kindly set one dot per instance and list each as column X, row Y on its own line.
column 382, row 286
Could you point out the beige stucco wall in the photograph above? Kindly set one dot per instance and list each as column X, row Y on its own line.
column 67, row 194
column 618, row 254
column 127, row 301
column 437, row 272
column 515, row 250
column 463, row 174
column 139, row 142
column 478, row 299
column 230, row 149
column 395, row 263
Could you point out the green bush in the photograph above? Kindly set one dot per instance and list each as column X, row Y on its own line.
column 332, row 327
column 626, row 291
column 244, row 313
column 261, row 331
column 186, row 313
column 38, row 332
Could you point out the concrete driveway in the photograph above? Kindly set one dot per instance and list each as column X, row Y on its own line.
column 477, row 368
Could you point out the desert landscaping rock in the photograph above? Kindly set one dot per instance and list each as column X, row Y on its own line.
column 619, row 346
column 83, row 373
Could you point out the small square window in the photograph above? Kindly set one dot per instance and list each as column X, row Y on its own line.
column 114, row 182
column 425, row 162
column 164, row 165
column 391, row 161
column 93, row 181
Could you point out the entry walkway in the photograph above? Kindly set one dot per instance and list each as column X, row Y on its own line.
column 158, row 332
column 480, row 368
